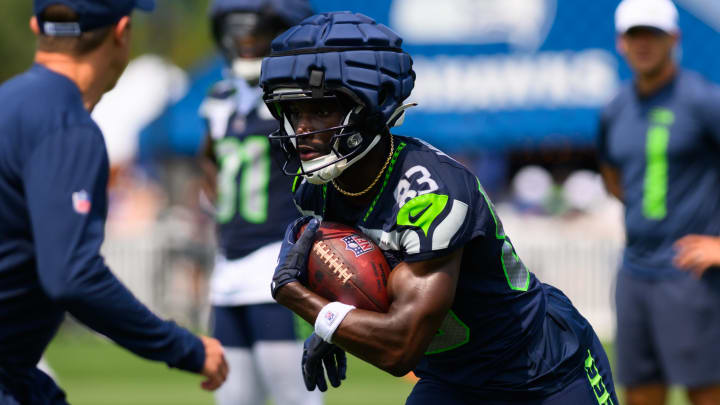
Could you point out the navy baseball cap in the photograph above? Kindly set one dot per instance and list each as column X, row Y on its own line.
column 91, row 14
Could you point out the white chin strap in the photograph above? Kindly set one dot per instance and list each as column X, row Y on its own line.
column 248, row 69
column 398, row 116
column 332, row 171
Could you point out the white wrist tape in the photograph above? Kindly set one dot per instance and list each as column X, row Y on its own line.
column 330, row 318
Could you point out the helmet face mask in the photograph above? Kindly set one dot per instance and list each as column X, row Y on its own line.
column 334, row 134
column 343, row 55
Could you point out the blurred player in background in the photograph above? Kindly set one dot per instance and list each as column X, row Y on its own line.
column 253, row 206
column 53, row 205
column 659, row 144
column 466, row 314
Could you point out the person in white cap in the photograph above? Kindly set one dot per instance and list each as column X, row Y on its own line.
column 659, row 146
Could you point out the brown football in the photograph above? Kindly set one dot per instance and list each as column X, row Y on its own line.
column 345, row 265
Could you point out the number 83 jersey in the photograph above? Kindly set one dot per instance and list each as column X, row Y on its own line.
column 253, row 204
column 507, row 334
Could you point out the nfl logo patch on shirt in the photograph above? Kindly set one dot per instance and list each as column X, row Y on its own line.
column 81, row 202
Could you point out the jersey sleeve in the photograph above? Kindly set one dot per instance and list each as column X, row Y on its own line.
column 217, row 109
column 440, row 208
column 65, row 181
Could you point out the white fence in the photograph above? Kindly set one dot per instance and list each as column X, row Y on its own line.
column 578, row 255
column 168, row 275
column 583, row 269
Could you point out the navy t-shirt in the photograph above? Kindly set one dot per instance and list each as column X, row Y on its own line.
column 506, row 336
column 667, row 149
column 254, row 203
column 53, row 205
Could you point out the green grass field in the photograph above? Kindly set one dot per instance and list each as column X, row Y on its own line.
column 94, row 371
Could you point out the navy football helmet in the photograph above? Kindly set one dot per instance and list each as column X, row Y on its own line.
column 344, row 56
column 243, row 30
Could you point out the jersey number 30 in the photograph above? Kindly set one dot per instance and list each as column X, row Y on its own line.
column 249, row 159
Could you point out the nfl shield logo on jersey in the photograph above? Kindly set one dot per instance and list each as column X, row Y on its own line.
column 81, row 202
column 358, row 245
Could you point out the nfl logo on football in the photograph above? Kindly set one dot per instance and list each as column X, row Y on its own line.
column 359, row 246
column 81, row 202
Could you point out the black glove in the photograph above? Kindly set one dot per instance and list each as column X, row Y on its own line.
column 292, row 261
column 316, row 352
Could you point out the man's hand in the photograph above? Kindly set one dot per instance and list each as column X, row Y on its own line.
column 215, row 368
column 316, row 352
column 292, row 261
column 697, row 253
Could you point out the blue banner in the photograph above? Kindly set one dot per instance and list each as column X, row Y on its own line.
column 511, row 73
column 498, row 74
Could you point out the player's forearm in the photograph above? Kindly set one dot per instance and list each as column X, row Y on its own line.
column 300, row 300
column 611, row 179
column 388, row 341
column 209, row 177
column 421, row 295
column 392, row 342
column 615, row 191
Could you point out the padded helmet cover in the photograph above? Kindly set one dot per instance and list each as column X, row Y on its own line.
column 357, row 57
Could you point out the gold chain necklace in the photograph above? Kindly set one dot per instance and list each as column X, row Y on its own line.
column 387, row 161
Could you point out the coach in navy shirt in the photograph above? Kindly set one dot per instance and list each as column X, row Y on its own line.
column 53, row 204
column 660, row 149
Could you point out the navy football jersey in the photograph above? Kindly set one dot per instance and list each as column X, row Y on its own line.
column 254, row 204
column 506, row 335
column 53, row 204
column 667, row 149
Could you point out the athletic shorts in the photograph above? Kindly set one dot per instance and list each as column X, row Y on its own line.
column 243, row 326
column 668, row 330
column 29, row 387
column 593, row 386
column 246, row 280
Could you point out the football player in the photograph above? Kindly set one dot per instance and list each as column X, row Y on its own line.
column 252, row 208
column 467, row 316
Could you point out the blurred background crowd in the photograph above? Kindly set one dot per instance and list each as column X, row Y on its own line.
column 511, row 88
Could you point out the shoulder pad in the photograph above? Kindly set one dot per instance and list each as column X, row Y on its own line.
column 222, row 90
column 218, row 107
